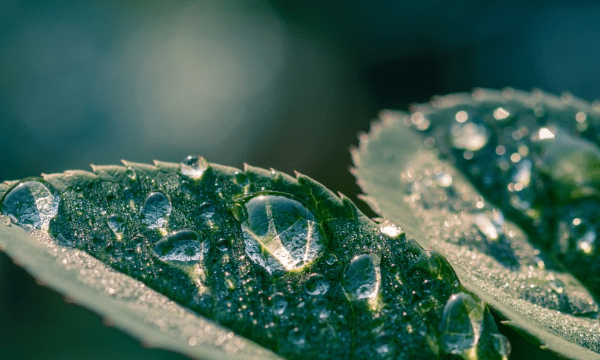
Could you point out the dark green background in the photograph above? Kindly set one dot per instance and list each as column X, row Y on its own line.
column 282, row 84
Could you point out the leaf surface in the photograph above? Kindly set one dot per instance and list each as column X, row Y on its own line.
column 209, row 261
column 469, row 176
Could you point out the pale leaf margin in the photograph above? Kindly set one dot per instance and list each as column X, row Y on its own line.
column 380, row 181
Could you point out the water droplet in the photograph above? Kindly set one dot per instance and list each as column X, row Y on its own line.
column 435, row 265
column 331, row 259
column 362, row 277
column 98, row 236
column 391, row 229
column 31, row 205
column 297, row 337
column 491, row 228
column 280, row 234
column 181, row 247
column 279, row 304
column 117, row 225
column 316, row 285
column 156, row 210
column 208, row 211
column 193, row 166
column 222, row 244
column 461, row 324
column 469, row 136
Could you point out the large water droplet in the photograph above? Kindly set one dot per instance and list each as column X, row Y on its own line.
column 31, row 205
column 193, row 166
column 362, row 277
column 156, row 210
column 280, row 234
column 461, row 324
column 181, row 247
column 469, row 136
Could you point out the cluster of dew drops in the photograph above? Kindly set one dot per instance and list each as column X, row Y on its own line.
column 528, row 153
column 280, row 235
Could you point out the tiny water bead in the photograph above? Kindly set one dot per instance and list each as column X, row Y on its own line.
column 362, row 277
column 193, row 166
column 31, row 204
column 280, row 234
column 181, row 247
column 157, row 209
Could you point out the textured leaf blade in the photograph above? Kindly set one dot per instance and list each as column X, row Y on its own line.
column 280, row 260
column 406, row 181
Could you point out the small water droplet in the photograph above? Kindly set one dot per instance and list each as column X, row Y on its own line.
column 297, row 337
column 469, row 136
column 391, row 229
column 157, row 209
column 435, row 265
column 280, row 234
column 117, row 225
column 316, row 285
column 31, row 204
column 331, row 259
column 193, row 166
column 222, row 244
column 362, row 277
column 180, row 247
column 279, row 304
column 461, row 324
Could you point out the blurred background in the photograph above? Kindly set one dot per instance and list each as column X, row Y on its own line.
column 282, row 84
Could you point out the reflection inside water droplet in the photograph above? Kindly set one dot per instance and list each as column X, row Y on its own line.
column 362, row 277
column 31, row 205
column 156, row 210
column 193, row 166
column 181, row 247
column 280, row 234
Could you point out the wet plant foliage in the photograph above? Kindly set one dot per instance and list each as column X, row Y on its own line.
column 505, row 185
column 218, row 263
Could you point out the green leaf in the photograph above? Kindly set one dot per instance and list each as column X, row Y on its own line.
column 505, row 186
column 180, row 254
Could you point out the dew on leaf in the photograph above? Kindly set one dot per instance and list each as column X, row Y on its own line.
column 362, row 277
column 461, row 325
column 180, row 247
column 156, row 211
column 316, row 285
column 117, row 225
column 469, row 136
column 391, row 229
column 280, row 234
column 31, row 204
column 193, row 166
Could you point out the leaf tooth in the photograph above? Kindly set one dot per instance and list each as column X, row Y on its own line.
column 147, row 168
column 166, row 167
